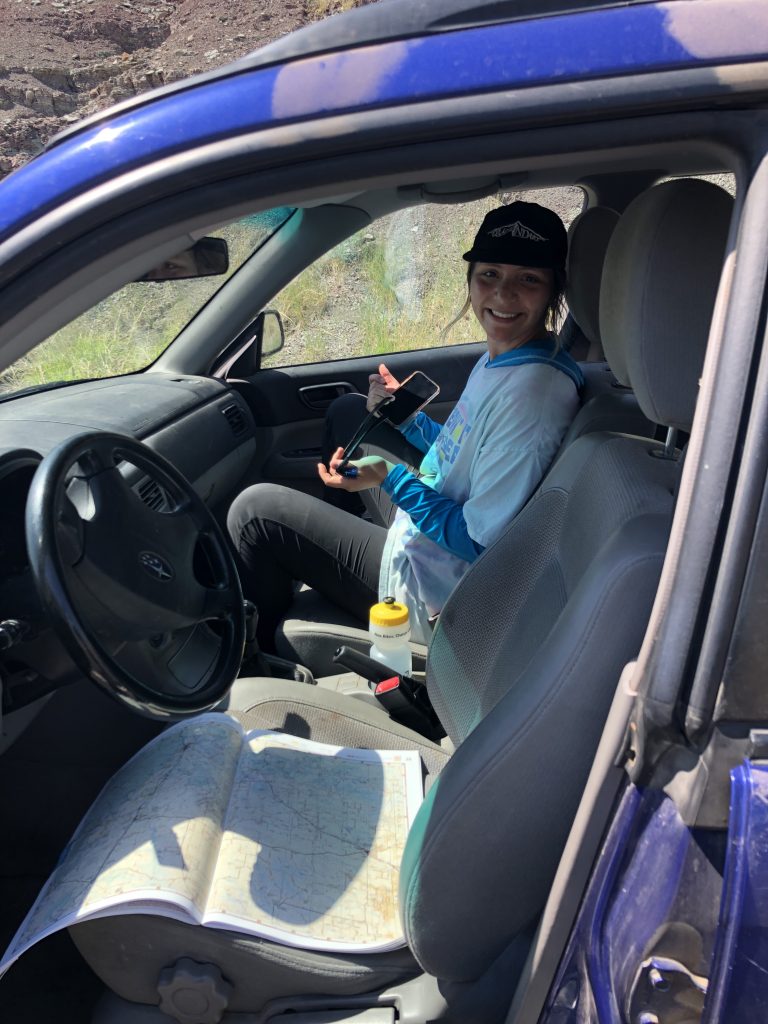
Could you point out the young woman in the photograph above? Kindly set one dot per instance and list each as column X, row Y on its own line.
column 478, row 470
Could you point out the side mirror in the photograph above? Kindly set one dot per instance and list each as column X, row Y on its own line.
column 263, row 337
column 272, row 333
column 208, row 257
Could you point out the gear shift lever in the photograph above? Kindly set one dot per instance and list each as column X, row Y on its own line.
column 251, row 651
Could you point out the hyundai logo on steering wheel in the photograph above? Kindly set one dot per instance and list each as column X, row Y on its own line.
column 156, row 566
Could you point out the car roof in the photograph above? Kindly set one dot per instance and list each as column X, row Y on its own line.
column 585, row 41
column 378, row 22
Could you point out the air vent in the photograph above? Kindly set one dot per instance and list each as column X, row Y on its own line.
column 153, row 495
column 235, row 417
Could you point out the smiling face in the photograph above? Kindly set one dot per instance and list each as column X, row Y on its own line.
column 510, row 302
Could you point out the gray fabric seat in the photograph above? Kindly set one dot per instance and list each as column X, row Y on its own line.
column 523, row 695
column 606, row 404
column 314, row 627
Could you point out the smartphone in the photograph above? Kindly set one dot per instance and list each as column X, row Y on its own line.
column 413, row 394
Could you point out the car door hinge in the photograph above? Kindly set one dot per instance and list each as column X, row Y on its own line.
column 666, row 992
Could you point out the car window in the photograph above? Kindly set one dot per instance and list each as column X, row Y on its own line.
column 725, row 179
column 395, row 285
column 130, row 328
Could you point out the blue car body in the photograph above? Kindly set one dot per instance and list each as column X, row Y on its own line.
column 545, row 51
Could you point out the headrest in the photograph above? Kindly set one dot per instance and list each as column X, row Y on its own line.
column 588, row 238
column 660, row 279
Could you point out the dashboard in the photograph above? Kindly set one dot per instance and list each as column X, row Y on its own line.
column 195, row 422
column 199, row 424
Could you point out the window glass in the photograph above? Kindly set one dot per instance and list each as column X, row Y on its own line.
column 395, row 285
column 130, row 328
column 725, row 180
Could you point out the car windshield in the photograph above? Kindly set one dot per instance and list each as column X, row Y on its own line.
column 129, row 329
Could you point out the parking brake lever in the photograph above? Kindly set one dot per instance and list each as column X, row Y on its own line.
column 364, row 666
column 404, row 698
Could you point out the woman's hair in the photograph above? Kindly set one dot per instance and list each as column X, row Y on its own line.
column 554, row 314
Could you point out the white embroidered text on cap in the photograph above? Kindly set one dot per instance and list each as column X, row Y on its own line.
column 517, row 230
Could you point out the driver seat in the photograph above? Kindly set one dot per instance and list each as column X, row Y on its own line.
column 522, row 694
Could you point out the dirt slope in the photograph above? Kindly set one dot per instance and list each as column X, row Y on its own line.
column 63, row 59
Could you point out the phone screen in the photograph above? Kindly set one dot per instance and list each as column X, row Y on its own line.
column 412, row 395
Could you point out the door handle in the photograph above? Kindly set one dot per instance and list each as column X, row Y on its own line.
column 320, row 396
column 304, row 453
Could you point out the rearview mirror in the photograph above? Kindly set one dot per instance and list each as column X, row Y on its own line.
column 206, row 258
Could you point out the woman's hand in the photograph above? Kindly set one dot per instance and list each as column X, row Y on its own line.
column 380, row 385
column 359, row 475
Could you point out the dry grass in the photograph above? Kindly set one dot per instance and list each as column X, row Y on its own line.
column 324, row 8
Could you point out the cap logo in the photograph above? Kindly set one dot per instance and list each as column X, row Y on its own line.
column 517, row 230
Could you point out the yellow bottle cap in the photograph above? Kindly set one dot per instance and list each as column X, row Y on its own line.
column 389, row 613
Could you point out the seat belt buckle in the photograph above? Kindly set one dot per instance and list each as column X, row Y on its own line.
column 394, row 695
column 405, row 702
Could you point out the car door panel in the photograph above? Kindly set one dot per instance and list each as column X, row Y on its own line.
column 288, row 404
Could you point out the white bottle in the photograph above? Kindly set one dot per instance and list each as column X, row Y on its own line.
column 390, row 632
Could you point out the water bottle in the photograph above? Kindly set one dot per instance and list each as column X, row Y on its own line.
column 390, row 632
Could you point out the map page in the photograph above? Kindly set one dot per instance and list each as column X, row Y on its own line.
column 264, row 833
column 313, row 840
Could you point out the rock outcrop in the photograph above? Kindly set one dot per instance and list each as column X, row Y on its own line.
column 61, row 60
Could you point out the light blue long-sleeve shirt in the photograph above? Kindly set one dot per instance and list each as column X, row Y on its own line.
column 478, row 471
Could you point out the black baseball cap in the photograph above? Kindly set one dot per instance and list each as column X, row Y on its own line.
column 524, row 234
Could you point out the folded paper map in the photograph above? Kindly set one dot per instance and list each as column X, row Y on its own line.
column 259, row 832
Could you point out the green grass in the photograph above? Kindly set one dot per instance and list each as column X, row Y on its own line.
column 129, row 329
column 120, row 335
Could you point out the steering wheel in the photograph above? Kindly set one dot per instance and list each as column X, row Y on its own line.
column 145, row 597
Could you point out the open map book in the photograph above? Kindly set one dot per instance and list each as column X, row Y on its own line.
column 260, row 832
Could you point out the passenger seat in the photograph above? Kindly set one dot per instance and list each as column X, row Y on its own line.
column 314, row 628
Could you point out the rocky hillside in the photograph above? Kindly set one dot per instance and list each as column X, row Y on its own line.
column 63, row 59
